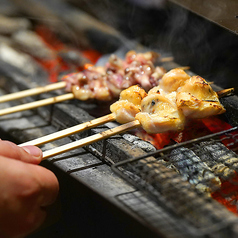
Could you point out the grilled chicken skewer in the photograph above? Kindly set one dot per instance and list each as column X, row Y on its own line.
column 104, row 83
column 132, row 101
column 100, row 83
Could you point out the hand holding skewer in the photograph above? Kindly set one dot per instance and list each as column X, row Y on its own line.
column 26, row 189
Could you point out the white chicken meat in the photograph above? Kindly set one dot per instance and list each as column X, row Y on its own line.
column 197, row 99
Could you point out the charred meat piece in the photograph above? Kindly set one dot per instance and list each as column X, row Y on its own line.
column 90, row 84
column 192, row 169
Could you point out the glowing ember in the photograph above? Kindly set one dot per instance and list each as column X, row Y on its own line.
column 58, row 65
column 92, row 55
column 228, row 194
column 194, row 129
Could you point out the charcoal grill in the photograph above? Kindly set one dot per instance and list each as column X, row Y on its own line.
column 146, row 196
column 153, row 175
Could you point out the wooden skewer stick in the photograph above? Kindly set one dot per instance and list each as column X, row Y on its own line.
column 36, row 104
column 167, row 59
column 91, row 139
column 183, row 67
column 72, row 130
column 225, row 92
column 32, row 91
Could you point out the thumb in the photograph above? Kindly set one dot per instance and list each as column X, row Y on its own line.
column 28, row 154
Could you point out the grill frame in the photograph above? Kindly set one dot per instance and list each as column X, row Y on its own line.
column 145, row 184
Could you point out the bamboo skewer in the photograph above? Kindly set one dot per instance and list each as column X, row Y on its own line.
column 32, row 92
column 91, row 139
column 36, row 104
column 167, row 59
column 183, row 67
column 225, row 92
column 72, row 130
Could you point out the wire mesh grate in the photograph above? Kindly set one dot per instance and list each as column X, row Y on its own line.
column 156, row 216
column 195, row 181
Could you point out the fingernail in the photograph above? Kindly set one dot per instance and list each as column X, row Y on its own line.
column 33, row 150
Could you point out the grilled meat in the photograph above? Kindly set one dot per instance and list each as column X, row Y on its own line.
column 160, row 113
column 173, row 80
column 129, row 104
column 106, row 83
column 197, row 99
column 162, row 110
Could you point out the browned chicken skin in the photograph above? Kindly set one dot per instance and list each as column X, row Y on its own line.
column 160, row 114
column 173, row 79
column 197, row 99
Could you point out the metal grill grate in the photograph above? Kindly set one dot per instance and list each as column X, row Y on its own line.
column 196, row 182
column 156, row 216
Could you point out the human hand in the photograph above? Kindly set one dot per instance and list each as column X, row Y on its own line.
column 25, row 190
column 28, row 154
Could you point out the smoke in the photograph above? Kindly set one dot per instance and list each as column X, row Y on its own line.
column 207, row 48
column 149, row 4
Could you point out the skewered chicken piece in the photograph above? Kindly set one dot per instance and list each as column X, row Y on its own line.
column 129, row 104
column 160, row 113
column 197, row 99
column 160, row 109
column 135, row 94
column 106, row 83
column 173, row 79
